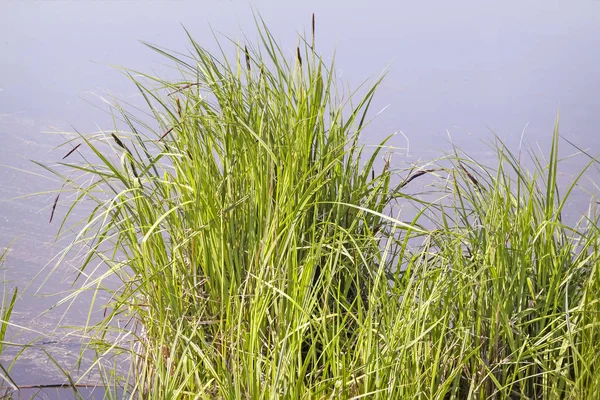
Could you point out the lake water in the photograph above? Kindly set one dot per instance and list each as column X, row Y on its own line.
column 457, row 69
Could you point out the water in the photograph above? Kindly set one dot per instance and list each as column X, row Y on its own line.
column 456, row 71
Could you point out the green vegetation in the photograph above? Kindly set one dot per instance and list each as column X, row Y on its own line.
column 6, row 308
column 261, row 254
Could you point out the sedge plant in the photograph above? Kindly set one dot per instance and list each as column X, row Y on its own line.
column 259, row 253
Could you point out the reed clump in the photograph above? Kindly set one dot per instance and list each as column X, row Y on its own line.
column 260, row 254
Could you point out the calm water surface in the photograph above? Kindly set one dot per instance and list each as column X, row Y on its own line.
column 456, row 69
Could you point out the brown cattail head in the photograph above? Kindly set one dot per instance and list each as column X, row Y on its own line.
column 133, row 169
column 178, row 104
column 471, row 177
column 118, row 141
column 165, row 134
column 54, row 208
column 313, row 31
column 247, row 57
column 299, row 56
column 71, row 151
column 416, row 175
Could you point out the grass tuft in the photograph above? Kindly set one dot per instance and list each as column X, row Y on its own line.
column 260, row 255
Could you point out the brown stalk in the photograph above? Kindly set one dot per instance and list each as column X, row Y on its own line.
column 71, row 151
column 183, row 88
column 54, row 208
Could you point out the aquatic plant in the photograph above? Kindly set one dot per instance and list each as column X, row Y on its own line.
column 260, row 255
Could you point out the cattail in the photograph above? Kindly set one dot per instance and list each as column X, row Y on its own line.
column 313, row 31
column 416, row 175
column 118, row 141
column 247, row 57
column 71, row 151
column 54, row 208
column 131, row 160
column 133, row 169
column 165, row 134
column 299, row 56
column 178, row 104
column 471, row 177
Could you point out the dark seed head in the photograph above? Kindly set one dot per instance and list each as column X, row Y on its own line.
column 165, row 134
column 313, row 31
column 54, row 207
column 416, row 175
column 178, row 104
column 299, row 56
column 247, row 58
column 71, row 151
column 471, row 177
column 118, row 141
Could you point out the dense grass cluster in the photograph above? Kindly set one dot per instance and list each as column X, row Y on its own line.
column 262, row 255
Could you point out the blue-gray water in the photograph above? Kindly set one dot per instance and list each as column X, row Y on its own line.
column 456, row 69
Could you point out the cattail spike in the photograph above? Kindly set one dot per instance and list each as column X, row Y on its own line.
column 313, row 31
column 416, row 175
column 471, row 177
column 133, row 169
column 118, row 141
column 71, row 151
column 247, row 57
column 299, row 56
column 165, row 134
column 178, row 104
column 54, row 208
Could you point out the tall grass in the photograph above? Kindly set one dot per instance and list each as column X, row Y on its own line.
column 260, row 254
column 6, row 307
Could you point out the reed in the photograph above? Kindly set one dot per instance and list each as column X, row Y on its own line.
column 260, row 254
